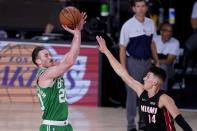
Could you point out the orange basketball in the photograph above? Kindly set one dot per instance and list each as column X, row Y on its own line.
column 70, row 16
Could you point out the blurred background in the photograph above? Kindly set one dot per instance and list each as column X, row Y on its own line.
column 26, row 21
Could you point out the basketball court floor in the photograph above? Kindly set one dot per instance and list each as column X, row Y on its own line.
column 27, row 117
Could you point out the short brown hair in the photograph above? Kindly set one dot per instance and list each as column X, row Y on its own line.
column 164, row 24
column 159, row 72
column 35, row 52
column 133, row 2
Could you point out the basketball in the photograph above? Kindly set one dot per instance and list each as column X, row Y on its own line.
column 70, row 16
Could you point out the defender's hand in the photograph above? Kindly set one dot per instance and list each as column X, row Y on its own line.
column 101, row 44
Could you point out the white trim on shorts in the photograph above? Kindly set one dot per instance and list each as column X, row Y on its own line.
column 48, row 127
column 55, row 123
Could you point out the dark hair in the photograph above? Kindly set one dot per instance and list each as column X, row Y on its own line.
column 35, row 53
column 160, row 73
column 133, row 2
column 166, row 23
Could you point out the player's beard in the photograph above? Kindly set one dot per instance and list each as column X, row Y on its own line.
column 52, row 62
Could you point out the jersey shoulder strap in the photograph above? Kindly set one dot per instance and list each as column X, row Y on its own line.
column 40, row 71
column 144, row 94
column 160, row 92
column 157, row 96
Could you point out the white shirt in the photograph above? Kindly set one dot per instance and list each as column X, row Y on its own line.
column 194, row 10
column 171, row 47
column 134, row 28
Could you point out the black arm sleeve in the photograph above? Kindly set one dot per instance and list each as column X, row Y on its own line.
column 182, row 123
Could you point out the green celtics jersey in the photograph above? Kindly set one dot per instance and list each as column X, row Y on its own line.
column 52, row 99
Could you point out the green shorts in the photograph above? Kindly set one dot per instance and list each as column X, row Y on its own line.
column 44, row 127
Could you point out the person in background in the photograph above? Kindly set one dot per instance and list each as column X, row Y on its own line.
column 3, row 34
column 194, row 17
column 136, row 50
column 190, row 50
column 168, row 49
column 53, row 19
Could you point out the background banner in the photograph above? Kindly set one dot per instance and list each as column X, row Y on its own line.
column 18, row 73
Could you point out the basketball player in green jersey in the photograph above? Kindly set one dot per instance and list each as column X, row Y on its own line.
column 50, row 83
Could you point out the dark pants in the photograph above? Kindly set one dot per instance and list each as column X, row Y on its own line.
column 169, row 69
column 137, row 68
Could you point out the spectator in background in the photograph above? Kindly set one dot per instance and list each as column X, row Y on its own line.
column 54, row 15
column 3, row 34
column 167, row 50
column 194, row 17
column 190, row 51
column 136, row 50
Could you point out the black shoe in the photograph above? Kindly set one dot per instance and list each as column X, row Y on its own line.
column 133, row 129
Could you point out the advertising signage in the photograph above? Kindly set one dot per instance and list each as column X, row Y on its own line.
column 18, row 73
